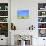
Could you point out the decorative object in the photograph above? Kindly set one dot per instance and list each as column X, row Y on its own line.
column 13, row 27
column 3, row 13
column 3, row 6
column 3, row 19
column 6, row 7
column 41, row 6
column 42, row 32
column 4, row 29
column 0, row 7
column 31, row 27
column 42, row 25
column 41, row 19
column 43, row 13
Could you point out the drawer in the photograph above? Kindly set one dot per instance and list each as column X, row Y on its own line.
column 3, row 41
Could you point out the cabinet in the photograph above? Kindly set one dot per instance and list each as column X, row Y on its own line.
column 42, row 41
column 3, row 40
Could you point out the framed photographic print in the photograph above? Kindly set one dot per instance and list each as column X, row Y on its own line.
column 22, row 14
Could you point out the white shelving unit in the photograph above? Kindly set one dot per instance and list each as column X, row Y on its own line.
column 4, row 23
column 42, row 18
column 4, row 12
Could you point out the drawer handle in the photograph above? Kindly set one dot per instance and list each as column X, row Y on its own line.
column 1, row 39
column 43, row 39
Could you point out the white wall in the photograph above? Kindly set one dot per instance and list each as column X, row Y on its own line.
column 23, row 24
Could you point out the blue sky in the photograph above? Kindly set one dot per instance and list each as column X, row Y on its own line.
column 23, row 12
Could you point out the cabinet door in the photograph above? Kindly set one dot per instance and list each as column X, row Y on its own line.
column 40, row 42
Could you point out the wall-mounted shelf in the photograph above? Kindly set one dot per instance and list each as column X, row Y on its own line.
column 3, row 10
column 41, row 10
column 3, row 22
column 42, row 16
column 41, row 28
column 3, row 16
column 41, row 22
